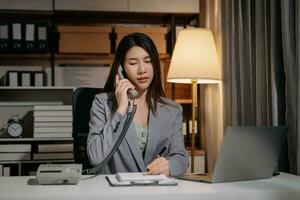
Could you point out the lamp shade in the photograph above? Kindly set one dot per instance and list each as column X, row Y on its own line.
column 194, row 58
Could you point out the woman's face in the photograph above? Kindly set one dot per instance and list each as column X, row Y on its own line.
column 138, row 68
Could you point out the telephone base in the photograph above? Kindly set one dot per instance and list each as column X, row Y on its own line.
column 59, row 174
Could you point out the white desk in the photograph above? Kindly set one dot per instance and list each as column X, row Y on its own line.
column 284, row 186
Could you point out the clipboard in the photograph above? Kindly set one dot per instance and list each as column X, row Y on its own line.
column 138, row 179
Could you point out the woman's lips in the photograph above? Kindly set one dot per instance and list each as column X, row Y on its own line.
column 143, row 79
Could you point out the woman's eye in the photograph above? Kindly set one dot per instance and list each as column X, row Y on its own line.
column 132, row 63
column 147, row 61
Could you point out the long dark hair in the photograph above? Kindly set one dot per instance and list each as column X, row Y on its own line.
column 155, row 89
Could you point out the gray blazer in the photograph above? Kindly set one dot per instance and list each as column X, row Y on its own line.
column 165, row 128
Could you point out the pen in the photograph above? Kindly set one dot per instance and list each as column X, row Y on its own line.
column 163, row 151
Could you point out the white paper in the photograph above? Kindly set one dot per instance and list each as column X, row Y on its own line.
column 133, row 179
column 137, row 176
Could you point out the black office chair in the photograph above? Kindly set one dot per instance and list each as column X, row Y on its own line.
column 82, row 102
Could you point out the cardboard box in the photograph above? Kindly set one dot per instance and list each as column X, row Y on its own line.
column 84, row 39
column 157, row 34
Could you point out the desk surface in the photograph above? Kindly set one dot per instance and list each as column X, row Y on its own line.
column 284, row 186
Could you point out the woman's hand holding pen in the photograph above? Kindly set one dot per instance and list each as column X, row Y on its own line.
column 122, row 87
column 158, row 166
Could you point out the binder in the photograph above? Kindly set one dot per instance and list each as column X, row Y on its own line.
column 25, row 35
column 26, row 79
column 4, row 36
column 39, row 78
column 12, row 78
column 6, row 171
column 16, row 35
column 29, row 36
column 42, row 36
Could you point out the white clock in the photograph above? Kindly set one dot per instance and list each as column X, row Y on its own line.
column 15, row 128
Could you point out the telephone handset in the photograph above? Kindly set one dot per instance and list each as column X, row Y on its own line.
column 132, row 94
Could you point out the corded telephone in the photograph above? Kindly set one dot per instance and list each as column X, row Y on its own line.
column 55, row 174
column 132, row 94
column 51, row 174
column 67, row 174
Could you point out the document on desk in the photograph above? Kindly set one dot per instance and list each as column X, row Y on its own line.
column 135, row 179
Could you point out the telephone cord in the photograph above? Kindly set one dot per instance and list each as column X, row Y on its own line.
column 130, row 114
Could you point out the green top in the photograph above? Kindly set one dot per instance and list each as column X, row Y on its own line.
column 142, row 135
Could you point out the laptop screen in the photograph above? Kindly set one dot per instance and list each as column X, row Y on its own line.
column 249, row 153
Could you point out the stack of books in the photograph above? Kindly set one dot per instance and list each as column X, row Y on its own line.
column 52, row 121
column 15, row 152
column 54, row 152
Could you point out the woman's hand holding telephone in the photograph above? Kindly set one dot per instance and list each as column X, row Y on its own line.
column 124, row 91
column 132, row 94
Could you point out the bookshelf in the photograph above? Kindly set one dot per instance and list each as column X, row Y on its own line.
column 21, row 101
column 58, row 65
column 28, row 165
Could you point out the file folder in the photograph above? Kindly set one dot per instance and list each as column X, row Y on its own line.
column 4, row 36
column 16, row 36
column 29, row 42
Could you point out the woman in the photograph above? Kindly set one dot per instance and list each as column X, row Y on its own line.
column 157, row 122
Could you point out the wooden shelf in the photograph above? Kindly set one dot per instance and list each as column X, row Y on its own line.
column 165, row 57
column 25, row 14
column 25, row 55
column 62, row 59
column 71, row 59
column 198, row 152
column 184, row 101
column 34, row 139
column 25, row 59
column 37, row 161
column 75, row 16
column 106, row 59
column 108, row 17
column 37, row 88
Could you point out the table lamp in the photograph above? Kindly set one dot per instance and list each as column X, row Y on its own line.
column 194, row 61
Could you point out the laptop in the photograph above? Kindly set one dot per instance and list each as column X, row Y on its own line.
column 247, row 153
